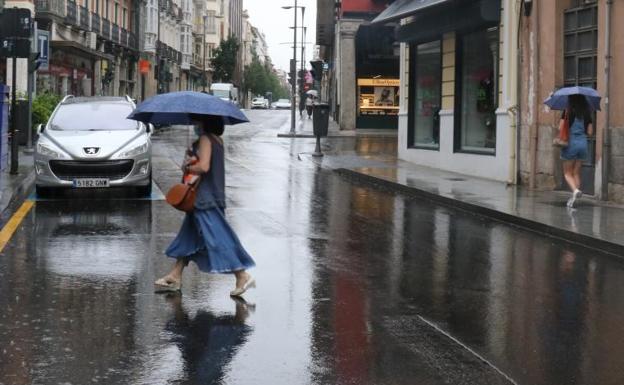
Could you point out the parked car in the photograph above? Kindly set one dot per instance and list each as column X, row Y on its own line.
column 89, row 143
column 259, row 103
column 282, row 104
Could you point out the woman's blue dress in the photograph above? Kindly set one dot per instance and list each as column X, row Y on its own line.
column 205, row 236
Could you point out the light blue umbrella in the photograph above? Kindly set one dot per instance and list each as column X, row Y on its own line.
column 558, row 100
column 184, row 107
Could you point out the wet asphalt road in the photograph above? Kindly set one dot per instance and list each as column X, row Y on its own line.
column 355, row 286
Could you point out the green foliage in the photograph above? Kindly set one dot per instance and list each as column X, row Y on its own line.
column 224, row 59
column 260, row 79
column 42, row 107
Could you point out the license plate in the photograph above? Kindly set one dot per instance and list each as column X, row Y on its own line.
column 91, row 183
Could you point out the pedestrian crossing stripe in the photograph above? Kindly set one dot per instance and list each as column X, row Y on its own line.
column 9, row 229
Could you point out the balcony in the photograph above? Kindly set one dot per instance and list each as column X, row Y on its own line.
column 95, row 23
column 132, row 41
column 123, row 37
column 115, row 35
column 84, row 18
column 72, row 13
column 52, row 7
column 106, row 27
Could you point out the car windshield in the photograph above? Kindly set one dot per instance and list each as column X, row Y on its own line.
column 221, row 93
column 96, row 116
column 283, row 101
column 258, row 100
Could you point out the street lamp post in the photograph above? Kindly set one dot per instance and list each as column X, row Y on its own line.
column 158, row 65
column 204, row 77
column 293, row 72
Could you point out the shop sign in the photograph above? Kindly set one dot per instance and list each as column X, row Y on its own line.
column 379, row 82
column 144, row 66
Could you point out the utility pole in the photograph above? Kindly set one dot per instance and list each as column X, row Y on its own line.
column 158, row 65
column 204, row 77
column 293, row 104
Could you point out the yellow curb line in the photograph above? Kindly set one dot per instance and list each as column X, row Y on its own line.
column 7, row 231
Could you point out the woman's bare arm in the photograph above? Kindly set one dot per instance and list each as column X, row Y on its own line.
column 590, row 129
column 205, row 152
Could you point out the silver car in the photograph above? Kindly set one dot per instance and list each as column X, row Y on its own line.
column 89, row 143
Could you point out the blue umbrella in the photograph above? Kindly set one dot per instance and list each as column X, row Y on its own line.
column 184, row 107
column 558, row 100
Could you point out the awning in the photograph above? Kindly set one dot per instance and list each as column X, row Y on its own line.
column 403, row 8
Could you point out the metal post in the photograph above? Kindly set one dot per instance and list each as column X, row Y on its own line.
column 204, row 77
column 14, row 148
column 302, row 37
column 293, row 104
column 158, row 69
column 31, row 81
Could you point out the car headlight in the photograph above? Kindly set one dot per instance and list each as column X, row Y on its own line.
column 138, row 150
column 47, row 151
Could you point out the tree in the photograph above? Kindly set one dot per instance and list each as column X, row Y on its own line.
column 260, row 78
column 224, row 59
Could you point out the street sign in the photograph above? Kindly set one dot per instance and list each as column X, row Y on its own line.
column 144, row 66
column 15, row 22
column 43, row 47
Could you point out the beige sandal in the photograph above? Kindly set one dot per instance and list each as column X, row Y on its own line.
column 251, row 282
column 164, row 285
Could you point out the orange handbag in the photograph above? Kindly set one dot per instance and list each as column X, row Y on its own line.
column 182, row 196
column 564, row 132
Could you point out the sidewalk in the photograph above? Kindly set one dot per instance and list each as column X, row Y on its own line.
column 15, row 187
column 592, row 223
column 304, row 129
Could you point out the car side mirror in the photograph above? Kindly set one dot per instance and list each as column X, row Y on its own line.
column 150, row 128
column 39, row 129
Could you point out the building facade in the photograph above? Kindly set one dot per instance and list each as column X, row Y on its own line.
column 363, row 60
column 565, row 43
column 94, row 48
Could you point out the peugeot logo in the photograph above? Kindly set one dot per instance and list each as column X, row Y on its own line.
column 91, row 150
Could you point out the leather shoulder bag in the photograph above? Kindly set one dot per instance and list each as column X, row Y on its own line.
column 182, row 196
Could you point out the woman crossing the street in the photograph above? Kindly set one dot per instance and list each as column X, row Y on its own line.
column 205, row 237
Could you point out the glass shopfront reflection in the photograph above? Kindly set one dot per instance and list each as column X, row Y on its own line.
column 426, row 95
column 478, row 69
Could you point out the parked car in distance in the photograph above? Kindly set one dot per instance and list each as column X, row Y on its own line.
column 282, row 104
column 259, row 102
column 89, row 143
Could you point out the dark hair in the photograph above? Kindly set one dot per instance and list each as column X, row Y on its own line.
column 579, row 108
column 212, row 125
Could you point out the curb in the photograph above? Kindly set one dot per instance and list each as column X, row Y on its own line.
column 526, row 224
column 19, row 194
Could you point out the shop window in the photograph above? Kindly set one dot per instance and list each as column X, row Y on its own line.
column 477, row 92
column 425, row 95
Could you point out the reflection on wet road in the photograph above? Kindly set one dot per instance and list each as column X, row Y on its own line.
column 356, row 286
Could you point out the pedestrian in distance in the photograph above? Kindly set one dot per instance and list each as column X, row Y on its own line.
column 577, row 116
column 205, row 237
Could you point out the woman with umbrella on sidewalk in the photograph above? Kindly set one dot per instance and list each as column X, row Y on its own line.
column 576, row 125
column 205, row 237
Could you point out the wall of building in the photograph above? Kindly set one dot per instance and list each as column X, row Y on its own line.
column 542, row 45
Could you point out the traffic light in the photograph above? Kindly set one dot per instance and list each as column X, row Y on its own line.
column 33, row 62
column 291, row 78
column 317, row 69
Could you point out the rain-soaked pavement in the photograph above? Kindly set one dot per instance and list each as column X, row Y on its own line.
column 355, row 286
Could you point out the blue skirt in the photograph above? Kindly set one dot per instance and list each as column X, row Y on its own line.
column 208, row 240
